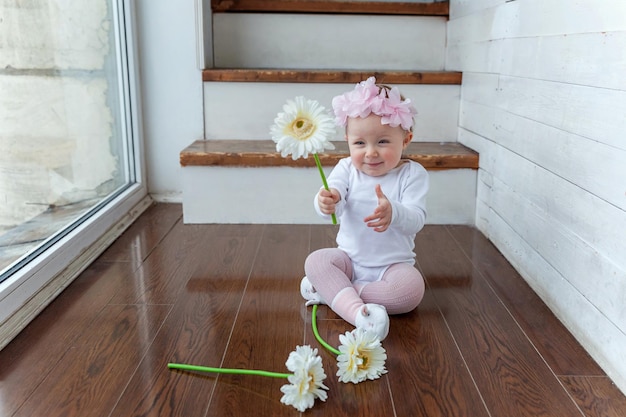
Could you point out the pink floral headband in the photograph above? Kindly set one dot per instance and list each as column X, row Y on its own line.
column 367, row 97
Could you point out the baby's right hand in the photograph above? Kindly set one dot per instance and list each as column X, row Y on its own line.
column 327, row 200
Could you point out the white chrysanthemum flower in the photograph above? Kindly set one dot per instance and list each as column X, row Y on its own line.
column 306, row 383
column 302, row 128
column 362, row 357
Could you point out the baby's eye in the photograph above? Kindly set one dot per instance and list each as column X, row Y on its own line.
column 358, row 142
column 383, row 141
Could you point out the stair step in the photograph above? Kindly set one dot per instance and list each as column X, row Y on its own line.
column 262, row 153
column 329, row 76
column 328, row 41
column 235, row 108
column 330, row 6
column 249, row 182
column 268, row 51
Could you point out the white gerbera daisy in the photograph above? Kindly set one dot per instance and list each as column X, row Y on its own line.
column 362, row 357
column 302, row 128
column 306, row 383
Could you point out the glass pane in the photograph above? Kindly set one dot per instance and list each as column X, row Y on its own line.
column 64, row 142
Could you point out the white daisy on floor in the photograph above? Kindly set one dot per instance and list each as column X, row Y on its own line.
column 306, row 383
column 361, row 357
column 304, row 127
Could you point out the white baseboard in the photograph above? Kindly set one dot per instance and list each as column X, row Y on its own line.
column 172, row 197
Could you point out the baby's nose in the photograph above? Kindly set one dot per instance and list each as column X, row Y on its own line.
column 372, row 152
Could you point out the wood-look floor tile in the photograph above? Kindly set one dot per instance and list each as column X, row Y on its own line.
column 144, row 234
column 196, row 331
column 228, row 295
column 508, row 371
column 323, row 236
column 555, row 343
column 33, row 354
column 596, row 396
column 427, row 374
column 165, row 272
column 91, row 376
column 268, row 326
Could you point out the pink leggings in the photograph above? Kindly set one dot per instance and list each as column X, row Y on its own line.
column 330, row 270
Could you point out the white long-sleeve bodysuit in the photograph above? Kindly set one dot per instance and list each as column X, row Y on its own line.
column 405, row 187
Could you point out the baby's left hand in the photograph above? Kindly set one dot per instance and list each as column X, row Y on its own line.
column 381, row 218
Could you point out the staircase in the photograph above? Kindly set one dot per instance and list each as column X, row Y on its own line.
column 266, row 52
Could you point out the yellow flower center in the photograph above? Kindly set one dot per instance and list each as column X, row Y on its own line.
column 364, row 361
column 360, row 359
column 302, row 128
column 306, row 383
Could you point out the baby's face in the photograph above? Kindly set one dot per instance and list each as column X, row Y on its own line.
column 375, row 148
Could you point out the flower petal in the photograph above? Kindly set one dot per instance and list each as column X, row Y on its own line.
column 302, row 128
column 368, row 98
column 306, row 383
column 362, row 357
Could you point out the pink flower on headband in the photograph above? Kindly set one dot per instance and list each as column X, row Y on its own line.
column 368, row 98
column 356, row 103
column 395, row 111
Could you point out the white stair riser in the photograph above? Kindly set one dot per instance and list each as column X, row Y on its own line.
column 284, row 195
column 247, row 110
column 304, row 41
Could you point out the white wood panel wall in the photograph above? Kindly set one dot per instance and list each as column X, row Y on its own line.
column 544, row 102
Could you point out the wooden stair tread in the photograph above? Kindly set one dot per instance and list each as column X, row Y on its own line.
column 262, row 153
column 332, row 6
column 330, row 76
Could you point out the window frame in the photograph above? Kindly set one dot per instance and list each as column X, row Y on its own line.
column 30, row 289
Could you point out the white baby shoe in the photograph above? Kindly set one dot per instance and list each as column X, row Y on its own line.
column 309, row 293
column 373, row 318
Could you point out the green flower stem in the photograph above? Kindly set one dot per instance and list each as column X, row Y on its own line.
column 185, row 367
column 317, row 334
column 319, row 167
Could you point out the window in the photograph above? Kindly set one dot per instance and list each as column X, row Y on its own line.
column 70, row 154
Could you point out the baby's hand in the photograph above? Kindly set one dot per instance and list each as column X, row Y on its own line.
column 327, row 200
column 381, row 218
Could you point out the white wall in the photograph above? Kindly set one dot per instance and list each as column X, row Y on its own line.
column 544, row 102
column 171, row 90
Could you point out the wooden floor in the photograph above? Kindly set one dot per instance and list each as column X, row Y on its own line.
column 480, row 344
